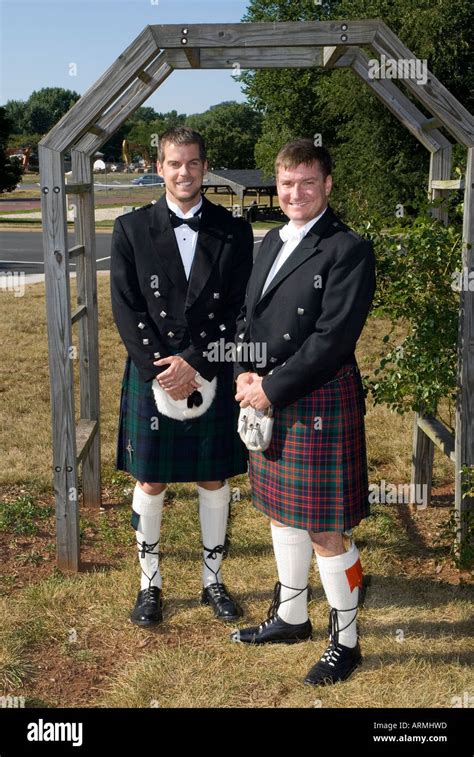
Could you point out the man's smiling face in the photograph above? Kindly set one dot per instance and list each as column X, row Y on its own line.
column 303, row 191
column 183, row 172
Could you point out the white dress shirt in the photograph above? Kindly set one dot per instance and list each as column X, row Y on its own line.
column 292, row 236
column 185, row 237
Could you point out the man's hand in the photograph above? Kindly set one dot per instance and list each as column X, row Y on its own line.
column 243, row 381
column 252, row 393
column 183, row 392
column 177, row 375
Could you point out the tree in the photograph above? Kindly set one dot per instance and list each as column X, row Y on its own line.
column 45, row 107
column 15, row 111
column 230, row 131
column 10, row 171
column 377, row 163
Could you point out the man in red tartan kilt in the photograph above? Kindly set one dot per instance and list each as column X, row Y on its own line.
column 307, row 300
column 179, row 269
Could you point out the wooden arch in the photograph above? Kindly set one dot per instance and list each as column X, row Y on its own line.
column 134, row 76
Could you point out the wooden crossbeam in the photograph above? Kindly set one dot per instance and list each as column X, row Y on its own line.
column 439, row 434
column 103, row 92
column 242, row 57
column 266, row 34
column 85, row 433
column 332, row 54
column 79, row 313
column 434, row 96
column 147, row 82
column 76, row 251
column 396, row 102
column 446, row 184
column 431, row 123
column 77, row 189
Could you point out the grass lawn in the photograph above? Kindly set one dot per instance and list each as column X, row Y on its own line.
column 67, row 640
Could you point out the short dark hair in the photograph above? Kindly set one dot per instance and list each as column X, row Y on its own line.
column 304, row 151
column 181, row 135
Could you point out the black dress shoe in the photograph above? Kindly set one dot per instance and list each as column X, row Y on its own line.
column 336, row 664
column 274, row 630
column 217, row 596
column 147, row 610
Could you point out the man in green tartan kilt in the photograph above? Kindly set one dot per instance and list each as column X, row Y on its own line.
column 179, row 269
column 307, row 300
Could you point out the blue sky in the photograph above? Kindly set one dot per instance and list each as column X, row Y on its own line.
column 39, row 39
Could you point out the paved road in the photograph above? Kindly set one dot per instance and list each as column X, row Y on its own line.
column 22, row 251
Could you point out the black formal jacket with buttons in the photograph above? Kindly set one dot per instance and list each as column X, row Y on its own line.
column 159, row 312
column 312, row 312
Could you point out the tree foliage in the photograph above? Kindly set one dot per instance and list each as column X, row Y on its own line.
column 377, row 163
column 10, row 171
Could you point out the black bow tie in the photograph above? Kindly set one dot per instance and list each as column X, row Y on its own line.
column 193, row 222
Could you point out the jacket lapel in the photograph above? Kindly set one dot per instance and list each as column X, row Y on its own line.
column 208, row 247
column 306, row 248
column 165, row 245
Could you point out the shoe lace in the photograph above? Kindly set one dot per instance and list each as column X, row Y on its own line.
column 147, row 549
column 150, row 596
column 277, row 601
column 332, row 654
column 218, row 590
column 334, row 628
column 212, row 552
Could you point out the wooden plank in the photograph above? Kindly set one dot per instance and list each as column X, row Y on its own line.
column 241, row 57
column 266, row 34
column 332, row 54
column 446, row 184
column 86, row 431
column 431, row 123
column 440, row 170
column 421, row 462
column 127, row 103
column 434, row 96
column 77, row 188
column 76, row 251
column 193, row 55
column 79, row 313
column 58, row 305
column 88, row 330
column 439, row 434
column 397, row 103
column 102, row 93
column 465, row 397
column 95, row 129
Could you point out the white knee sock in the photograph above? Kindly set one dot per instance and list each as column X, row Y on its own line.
column 213, row 515
column 150, row 509
column 341, row 577
column 293, row 552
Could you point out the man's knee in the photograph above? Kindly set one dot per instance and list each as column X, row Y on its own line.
column 328, row 541
column 211, row 485
column 153, row 488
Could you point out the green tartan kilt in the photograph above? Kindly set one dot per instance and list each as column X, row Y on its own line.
column 155, row 448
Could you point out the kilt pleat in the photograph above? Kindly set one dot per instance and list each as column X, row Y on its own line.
column 314, row 473
column 155, row 448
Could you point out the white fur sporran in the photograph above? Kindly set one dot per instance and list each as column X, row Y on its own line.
column 178, row 409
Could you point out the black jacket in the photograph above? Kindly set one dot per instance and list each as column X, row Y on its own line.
column 313, row 311
column 157, row 313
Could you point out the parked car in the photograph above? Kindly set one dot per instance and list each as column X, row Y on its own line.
column 149, row 178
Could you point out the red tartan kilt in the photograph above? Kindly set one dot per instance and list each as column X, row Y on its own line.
column 314, row 473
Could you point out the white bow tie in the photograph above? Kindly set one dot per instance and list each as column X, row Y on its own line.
column 290, row 233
